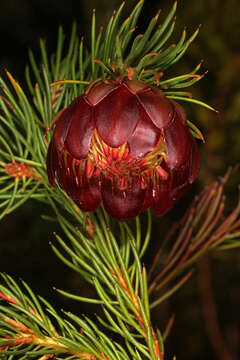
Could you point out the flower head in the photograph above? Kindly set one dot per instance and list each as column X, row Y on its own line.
column 124, row 144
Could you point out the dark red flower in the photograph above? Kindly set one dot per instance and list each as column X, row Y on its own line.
column 123, row 143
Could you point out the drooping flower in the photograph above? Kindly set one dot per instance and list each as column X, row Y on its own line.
column 123, row 144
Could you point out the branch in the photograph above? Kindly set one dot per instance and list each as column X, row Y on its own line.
column 112, row 265
column 204, row 228
column 27, row 329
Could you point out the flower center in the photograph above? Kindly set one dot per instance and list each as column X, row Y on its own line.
column 118, row 162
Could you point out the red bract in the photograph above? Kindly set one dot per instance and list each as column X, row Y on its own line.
column 123, row 143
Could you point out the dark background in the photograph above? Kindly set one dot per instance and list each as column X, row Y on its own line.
column 24, row 247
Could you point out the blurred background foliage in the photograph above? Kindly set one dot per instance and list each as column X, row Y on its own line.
column 207, row 324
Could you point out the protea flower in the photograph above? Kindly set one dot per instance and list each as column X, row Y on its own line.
column 124, row 142
column 125, row 145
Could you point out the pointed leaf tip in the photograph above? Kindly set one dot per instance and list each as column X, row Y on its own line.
column 155, row 18
column 15, row 84
column 122, row 5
